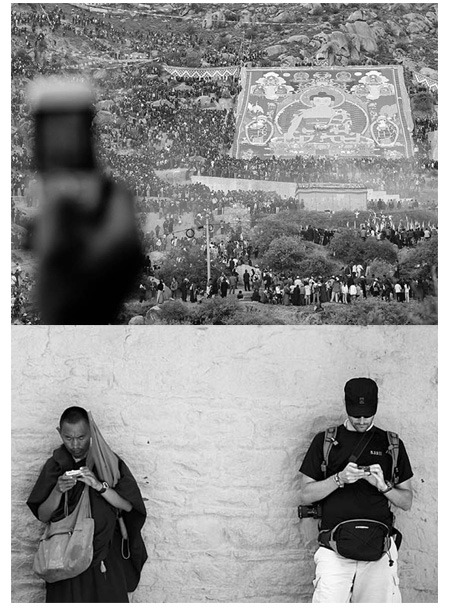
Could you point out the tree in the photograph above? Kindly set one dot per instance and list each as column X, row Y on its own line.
column 379, row 268
column 272, row 227
column 190, row 263
column 383, row 250
column 284, row 253
column 350, row 248
column 418, row 263
column 347, row 246
column 423, row 102
column 318, row 265
column 22, row 63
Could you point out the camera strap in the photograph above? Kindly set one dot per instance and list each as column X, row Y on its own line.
column 355, row 456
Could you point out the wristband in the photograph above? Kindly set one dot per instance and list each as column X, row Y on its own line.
column 337, row 480
column 389, row 486
column 105, row 486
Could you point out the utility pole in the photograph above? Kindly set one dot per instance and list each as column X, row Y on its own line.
column 208, row 251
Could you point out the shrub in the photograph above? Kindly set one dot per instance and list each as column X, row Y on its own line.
column 251, row 318
column 131, row 309
column 375, row 312
column 318, row 266
column 423, row 102
column 215, row 311
column 175, row 312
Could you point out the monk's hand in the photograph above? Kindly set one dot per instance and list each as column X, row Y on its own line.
column 65, row 482
column 88, row 477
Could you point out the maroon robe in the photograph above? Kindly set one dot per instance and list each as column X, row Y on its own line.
column 121, row 575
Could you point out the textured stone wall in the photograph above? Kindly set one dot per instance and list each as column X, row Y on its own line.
column 214, row 423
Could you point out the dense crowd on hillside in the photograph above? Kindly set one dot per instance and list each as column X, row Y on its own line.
column 148, row 121
column 346, row 288
column 356, row 282
column 404, row 176
column 180, row 122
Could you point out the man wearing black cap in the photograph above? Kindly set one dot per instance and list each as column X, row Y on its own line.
column 355, row 485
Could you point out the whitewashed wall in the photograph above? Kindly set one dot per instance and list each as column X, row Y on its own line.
column 214, row 423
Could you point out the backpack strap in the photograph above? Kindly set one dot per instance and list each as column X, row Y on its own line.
column 393, row 450
column 328, row 441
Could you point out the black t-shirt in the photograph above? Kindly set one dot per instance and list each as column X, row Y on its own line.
column 359, row 500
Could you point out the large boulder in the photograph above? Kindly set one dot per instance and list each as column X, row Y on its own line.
column 396, row 29
column 432, row 17
column 299, row 38
column 334, row 52
column 355, row 16
column 289, row 60
column 276, row 49
column 317, row 9
column 361, row 15
column 153, row 315
column 363, row 32
column 284, row 17
column 379, row 30
column 411, row 16
column 429, row 72
column 321, row 36
column 137, row 320
column 341, row 43
column 417, row 27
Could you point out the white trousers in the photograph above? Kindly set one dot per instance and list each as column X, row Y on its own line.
column 340, row 580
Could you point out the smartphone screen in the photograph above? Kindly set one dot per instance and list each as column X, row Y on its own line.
column 63, row 140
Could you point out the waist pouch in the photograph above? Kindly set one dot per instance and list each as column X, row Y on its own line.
column 359, row 539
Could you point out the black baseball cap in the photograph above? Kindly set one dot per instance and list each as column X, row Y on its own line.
column 361, row 397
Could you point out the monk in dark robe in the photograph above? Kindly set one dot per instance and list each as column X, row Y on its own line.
column 117, row 562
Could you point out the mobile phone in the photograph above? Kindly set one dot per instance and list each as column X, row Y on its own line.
column 63, row 112
column 73, row 473
column 365, row 468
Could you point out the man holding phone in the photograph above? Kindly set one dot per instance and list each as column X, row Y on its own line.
column 356, row 484
column 112, row 573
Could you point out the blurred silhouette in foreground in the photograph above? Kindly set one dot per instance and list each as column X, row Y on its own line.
column 85, row 237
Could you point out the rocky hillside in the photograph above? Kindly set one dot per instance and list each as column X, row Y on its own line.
column 331, row 33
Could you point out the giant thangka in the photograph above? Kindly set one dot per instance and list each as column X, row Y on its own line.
column 355, row 111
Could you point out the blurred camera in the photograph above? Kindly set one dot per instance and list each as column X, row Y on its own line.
column 63, row 112
column 312, row 511
column 365, row 468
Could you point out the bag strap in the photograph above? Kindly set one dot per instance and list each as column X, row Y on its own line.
column 328, row 442
column 85, row 504
column 393, row 450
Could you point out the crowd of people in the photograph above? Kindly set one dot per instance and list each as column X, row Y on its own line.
column 162, row 120
column 405, row 176
column 22, row 285
column 149, row 121
column 355, row 283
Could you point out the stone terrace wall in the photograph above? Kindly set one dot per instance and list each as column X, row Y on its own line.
column 214, row 423
column 215, row 183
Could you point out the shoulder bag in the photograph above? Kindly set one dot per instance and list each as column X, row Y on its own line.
column 66, row 546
